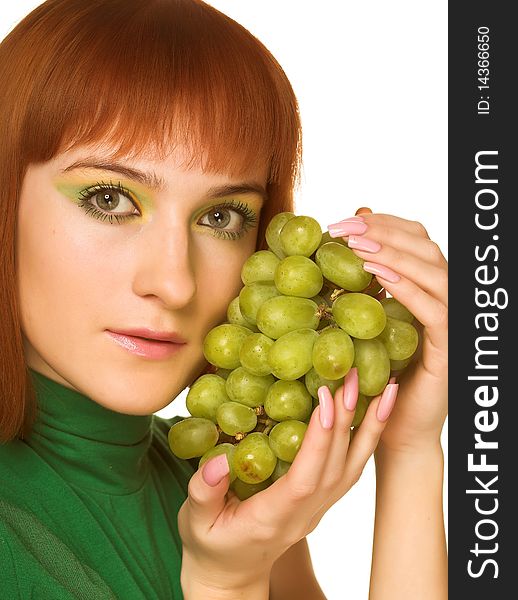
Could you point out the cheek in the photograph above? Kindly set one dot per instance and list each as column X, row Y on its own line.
column 219, row 281
column 61, row 271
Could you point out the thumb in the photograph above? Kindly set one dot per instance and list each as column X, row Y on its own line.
column 207, row 489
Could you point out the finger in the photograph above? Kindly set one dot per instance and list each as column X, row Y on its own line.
column 346, row 398
column 206, row 491
column 393, row 222
column 370, row 236
column 295, row 491
column 362, row 445
column 431, row 278
column 432, row 313
column 363, row 210
column 368, row 434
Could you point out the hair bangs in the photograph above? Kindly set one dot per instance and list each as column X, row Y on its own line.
column 155, row 75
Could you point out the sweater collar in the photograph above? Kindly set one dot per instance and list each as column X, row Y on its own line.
column 90, row 446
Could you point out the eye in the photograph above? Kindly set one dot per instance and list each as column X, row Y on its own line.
column 109, row 197
column 221, row 217
column 230, row 220
column 108, row 201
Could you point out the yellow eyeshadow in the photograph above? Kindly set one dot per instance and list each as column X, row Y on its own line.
column 72, row 188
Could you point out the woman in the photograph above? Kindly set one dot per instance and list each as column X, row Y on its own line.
column 146, row 145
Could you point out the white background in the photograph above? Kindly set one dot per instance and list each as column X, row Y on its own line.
column 370, row 78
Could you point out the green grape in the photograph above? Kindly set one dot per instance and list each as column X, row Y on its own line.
column 373, row 363
column 290, row 355
column 298, row 276
column 333, row 353
column 282, row 314
column 205, row 395
column 288, row 400
column 223, row 372
column 326, row 237
column 247, row 388
column 245, row 490
column 313, row 381
column 340, row 265
column 361, row 408
column 281, row 468
column 286, row 438
column 224, row 448
column 360, row 315
column 192, row 437
column 399, row 365
column 273, row 231
column 234, row 417
column 254, row 354
column 260, row 266
column 300, row 236
column 393, row 308
column 399, row 338
column 235, row 316
column 222, row 344
column 254, row 460
column 253, row 296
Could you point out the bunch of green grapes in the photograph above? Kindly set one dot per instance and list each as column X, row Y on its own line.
column 307, row 314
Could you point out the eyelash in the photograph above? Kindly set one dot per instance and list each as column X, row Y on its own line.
column 249, row 216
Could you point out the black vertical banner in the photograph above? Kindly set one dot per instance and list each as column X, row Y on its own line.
column 483, row 257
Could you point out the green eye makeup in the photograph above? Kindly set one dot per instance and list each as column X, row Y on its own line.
column 115, row 204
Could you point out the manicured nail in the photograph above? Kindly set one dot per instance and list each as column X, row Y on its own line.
column 363, row 243
column 381, row 271
column 355, row 219
column 215, row 469
column 327, row 407
column 346, row 228
column 387, row 401
column 351, row 389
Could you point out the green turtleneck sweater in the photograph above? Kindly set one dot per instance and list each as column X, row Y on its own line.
column 89, row 504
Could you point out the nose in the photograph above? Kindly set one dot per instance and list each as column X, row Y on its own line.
column 165, row 267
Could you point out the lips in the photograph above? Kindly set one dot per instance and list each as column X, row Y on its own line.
column 150, row 334
column 139, row 342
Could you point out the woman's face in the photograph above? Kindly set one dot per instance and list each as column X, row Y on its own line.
column 102, row 248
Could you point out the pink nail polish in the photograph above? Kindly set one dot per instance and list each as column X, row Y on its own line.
column 351, row 389
column 327, row 407
column 381, row 271
column 215, row 469
column 363, row 243
column 346, row 228
column 357, row 218
column 387, row 401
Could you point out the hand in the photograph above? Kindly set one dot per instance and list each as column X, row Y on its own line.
column 413, row 270
column 231, row 544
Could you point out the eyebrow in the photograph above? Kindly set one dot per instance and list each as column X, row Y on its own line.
column 152, row 181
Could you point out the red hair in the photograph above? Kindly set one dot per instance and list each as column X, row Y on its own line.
column 141, row 76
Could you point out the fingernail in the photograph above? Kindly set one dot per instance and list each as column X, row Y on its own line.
column 387, row 401
column 355, row 219
column 327, row 407
column 346, row 228
column 381, row 271
column 351, row 389
column 363, row 243
column 215, row 469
